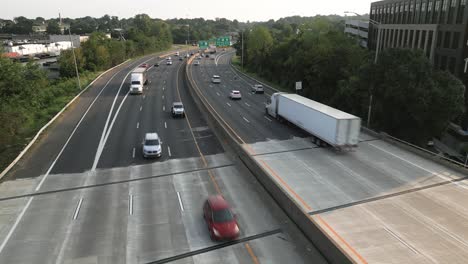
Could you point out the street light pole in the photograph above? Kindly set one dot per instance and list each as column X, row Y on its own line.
column 377, row 24
column 74, row 58
column 242, row 59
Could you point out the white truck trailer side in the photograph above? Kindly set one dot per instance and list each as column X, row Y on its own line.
column 137, row 80
column 333, row 126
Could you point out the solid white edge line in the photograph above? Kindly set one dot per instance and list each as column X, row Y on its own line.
column 77, row 210
column 100, row 150
column 130, row 205
column 71, row 135
column 13, row 163
column 169, row 151
column 18, row 219
column 180, row 202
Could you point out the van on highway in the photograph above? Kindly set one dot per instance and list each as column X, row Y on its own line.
column 216, row 79
column 257, row 88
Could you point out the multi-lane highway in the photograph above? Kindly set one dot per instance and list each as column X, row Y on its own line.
column 84, row 194
column 380, row 203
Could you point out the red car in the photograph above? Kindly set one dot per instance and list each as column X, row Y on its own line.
column 144, row 65
column 221, row 222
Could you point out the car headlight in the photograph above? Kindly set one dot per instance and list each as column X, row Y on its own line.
column 215, row 232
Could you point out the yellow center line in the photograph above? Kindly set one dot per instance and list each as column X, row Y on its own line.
column 251, row 253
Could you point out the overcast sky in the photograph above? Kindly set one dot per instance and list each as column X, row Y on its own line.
column 242, row 10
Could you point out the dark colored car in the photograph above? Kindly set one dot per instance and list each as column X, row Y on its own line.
column 221, row 222
column 156, row 64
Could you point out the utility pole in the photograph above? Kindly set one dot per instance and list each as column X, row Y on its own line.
column 377, row 24
column 242, row 59
column 74, row 58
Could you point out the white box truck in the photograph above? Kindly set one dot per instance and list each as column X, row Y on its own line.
column 138, row 80
column 337, row 128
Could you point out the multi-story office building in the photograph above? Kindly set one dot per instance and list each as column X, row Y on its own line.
column 439, row 27
column 358, row 29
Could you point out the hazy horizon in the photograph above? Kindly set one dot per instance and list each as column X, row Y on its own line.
column 241, row 10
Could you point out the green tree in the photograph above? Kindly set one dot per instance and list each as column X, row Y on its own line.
column 53, row 28
column 412, row 101
column 259, row 46
column 67, row 62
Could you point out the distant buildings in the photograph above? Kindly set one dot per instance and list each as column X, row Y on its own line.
column 438, row 27
column 358, row 29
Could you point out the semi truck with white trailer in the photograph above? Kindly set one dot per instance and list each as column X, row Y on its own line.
column 137, row 80
column 327, row 124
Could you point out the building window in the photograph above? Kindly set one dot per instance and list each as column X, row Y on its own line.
column 439, row 39
column 422, row 18
column 456, row 39
column 447, row 36
column 411, row 12
column 436, row 11
column 429, row 12
column 443, row 12
column 416, row 39
column 417, row 12
column 411, row 38
column 423, row 39
column 443, row 63
column 429, row 44
column 461, row 11
column 451, row 10
column 405, row 14
column 451, row 65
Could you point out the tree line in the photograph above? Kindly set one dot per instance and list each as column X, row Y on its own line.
column 411, row 100
column 180, row 29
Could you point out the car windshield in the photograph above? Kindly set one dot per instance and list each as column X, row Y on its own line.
column 152, row 142
column 135, row 82
column 178, row 106
column 223, row 215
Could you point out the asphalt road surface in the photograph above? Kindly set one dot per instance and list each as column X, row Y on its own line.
column 85, row 194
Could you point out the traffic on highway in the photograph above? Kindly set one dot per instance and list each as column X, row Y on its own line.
column 183, row 140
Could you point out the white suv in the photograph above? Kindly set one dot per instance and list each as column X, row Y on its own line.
column 235, row 95
column 152, row 145
column 177, row 109
column 216, row 79
column 257, row 88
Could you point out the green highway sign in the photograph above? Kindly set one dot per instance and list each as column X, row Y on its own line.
column 203, row 44
column 223, row 42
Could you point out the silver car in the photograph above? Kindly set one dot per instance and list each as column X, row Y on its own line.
column 152, row 145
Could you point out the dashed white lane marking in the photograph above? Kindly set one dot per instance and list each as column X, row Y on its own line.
column 169, row 151
column 141, row 108
column 77, row 210
column 247, row 104
column 138, row 125
column 144, row 96
column 267, row 118
column 218, row 94
column 180, row 202
column 165, row 125
column 246, row 120
column 163, row 97
column 164, row 108
column 130, row 205
column 133, row 153
column 228, row 104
